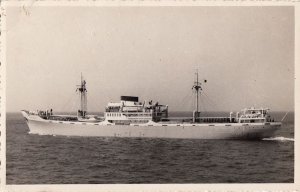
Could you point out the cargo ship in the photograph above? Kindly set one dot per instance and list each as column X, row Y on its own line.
column 132, row 118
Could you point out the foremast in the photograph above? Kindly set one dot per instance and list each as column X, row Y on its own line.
column 83, row 98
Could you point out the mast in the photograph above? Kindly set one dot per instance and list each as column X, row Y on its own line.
column 198, row 88
column 83, row 97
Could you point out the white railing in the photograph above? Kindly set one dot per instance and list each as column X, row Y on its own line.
column 128, row 115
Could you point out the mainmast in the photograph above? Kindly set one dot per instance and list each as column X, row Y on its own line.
column 198, row 88
column 83, row 98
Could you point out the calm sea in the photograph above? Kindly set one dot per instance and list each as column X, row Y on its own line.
column 36, row 159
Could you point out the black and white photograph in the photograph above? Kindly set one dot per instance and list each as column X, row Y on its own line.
column 150, row 95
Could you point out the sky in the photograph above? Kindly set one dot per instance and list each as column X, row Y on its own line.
column 246, row 54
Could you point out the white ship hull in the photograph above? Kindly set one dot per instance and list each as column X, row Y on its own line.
column 41, row 126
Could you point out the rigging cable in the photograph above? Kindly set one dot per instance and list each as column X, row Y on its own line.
column 65, row 106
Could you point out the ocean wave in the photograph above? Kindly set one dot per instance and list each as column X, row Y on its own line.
column 279, row 139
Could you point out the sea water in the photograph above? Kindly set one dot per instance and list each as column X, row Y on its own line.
column 44, row 159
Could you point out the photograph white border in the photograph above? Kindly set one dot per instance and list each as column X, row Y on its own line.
column 147, row 187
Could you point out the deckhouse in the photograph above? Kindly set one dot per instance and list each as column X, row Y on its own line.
column 130, row 110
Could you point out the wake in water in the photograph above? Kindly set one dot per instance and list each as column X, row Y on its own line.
column 279, row 139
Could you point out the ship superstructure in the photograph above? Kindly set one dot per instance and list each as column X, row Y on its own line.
column 130, row 110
